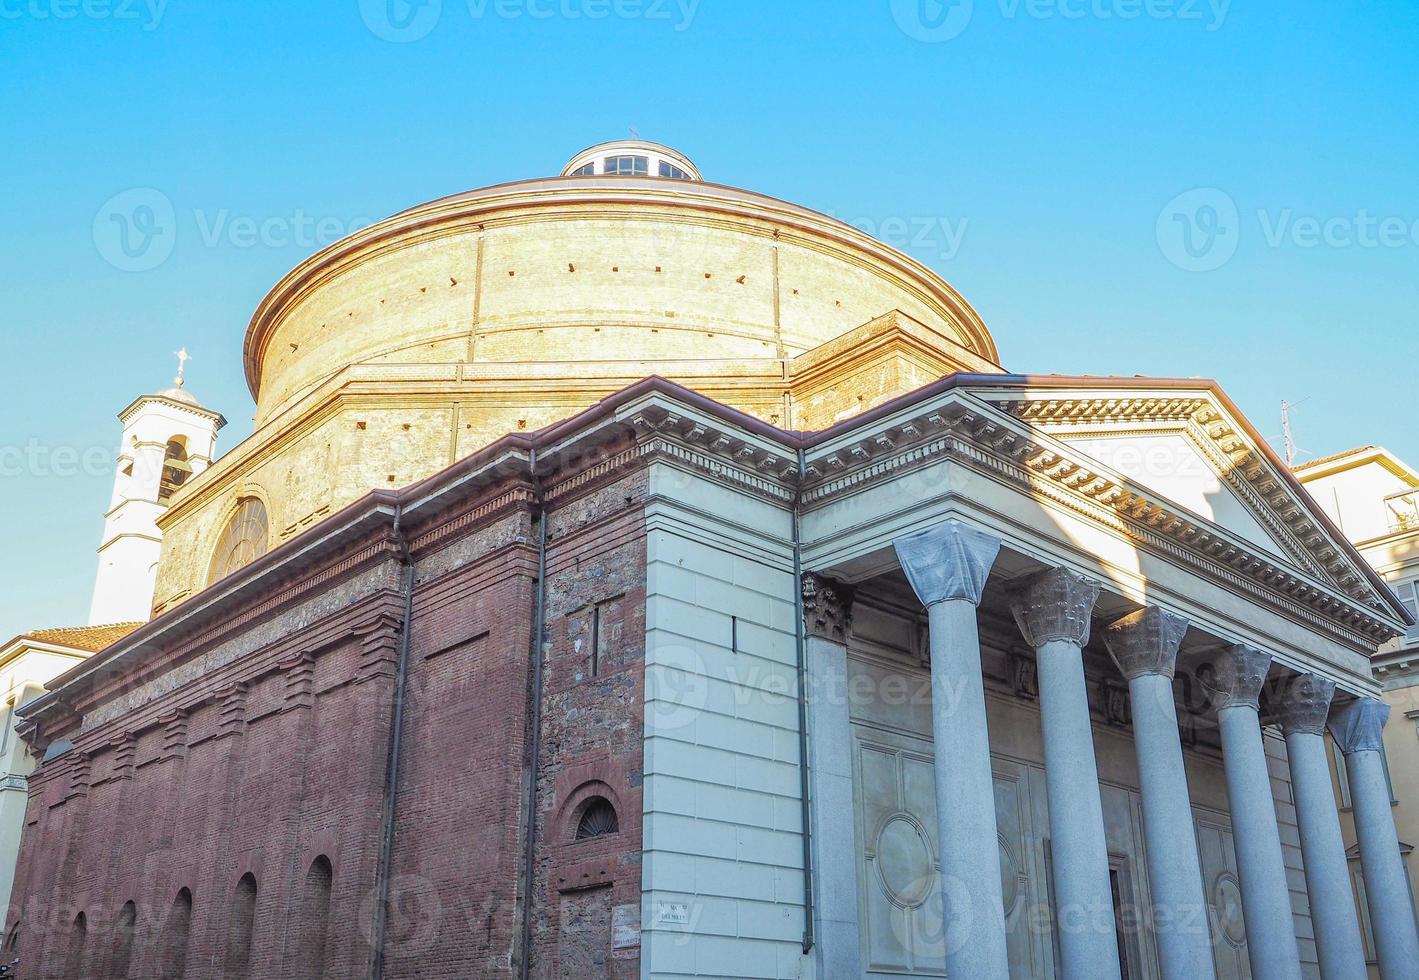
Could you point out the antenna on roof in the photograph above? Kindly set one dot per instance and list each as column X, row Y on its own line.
column 1287, row 437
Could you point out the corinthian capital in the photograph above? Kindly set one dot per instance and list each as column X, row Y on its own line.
column 1359, row 726
column 827, row 607
column 1304, row 704
column 1239, row 673
column 1056, row 604
column 949, row 561
column 1146, row 642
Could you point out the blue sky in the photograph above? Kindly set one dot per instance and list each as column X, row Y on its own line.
column 1158, row 187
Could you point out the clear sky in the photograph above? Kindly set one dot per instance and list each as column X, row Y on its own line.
column 1158, row 187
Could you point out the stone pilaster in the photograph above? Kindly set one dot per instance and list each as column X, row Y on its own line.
column 827, row 607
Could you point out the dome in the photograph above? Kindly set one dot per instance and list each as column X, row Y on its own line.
column 417, row 341
column 180, row 395
column 631, row 158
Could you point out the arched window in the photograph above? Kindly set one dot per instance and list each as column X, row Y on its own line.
column 598, row 819
column 176, row 468
column 123, row 931
column 12, row 942
column 244, row 539
column 176, row 931
column 315, row 920
column 242, row 928
column 78, row 937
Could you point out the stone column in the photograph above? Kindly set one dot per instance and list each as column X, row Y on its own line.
column 1145, row 646
column 827, row 617
column 1266, row 896
column 948, row 567
column 1358, row 729
column 1054, row 610
column 1302, row 709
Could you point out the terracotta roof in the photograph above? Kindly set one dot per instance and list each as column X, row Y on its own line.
column 1312, row 463
column 89, row 638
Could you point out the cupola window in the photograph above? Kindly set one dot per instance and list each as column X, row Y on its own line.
column 627, row 166
column 245, row 539
column 672, row 171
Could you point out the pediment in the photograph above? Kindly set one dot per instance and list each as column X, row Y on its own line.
column 1190, row 448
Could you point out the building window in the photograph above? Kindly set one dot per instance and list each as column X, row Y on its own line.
column 176, row 931
column 627, row 166
column 78, row 937
column 587, row 171
column 1408, row 593
column 672, row 171
column 123, row 931
column 598, row 819
column 241, row 929
column 244, row 540
column 176, row 469
column 315, row 923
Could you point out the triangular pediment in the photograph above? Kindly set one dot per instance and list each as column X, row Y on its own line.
column 1184, row 443
column 1171, row 465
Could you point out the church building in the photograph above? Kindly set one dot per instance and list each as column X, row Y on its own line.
column 635, row 576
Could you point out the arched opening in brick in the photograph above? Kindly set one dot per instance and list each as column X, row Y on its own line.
column 242, row 929
column 78, row 939
column 176, row 932
column 598, row 819
column 123, row 930
column 315, row 919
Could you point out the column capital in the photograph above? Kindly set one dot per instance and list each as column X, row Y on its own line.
column 1359, row 726
column 827, row 607
column 1303, row 704
column 949, row 561
column 1146, row 642
column 1055, row 604
column 1239, row 673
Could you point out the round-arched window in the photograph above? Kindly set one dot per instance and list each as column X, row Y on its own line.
column 245, row 539
column 597, row 820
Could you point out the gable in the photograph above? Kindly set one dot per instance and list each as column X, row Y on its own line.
column 1170, row 465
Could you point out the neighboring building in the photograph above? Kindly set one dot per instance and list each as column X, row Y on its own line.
column 27, row 663
column 631, row 576
column 1373, row 496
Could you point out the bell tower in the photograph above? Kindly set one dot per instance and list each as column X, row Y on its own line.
column 169, row 437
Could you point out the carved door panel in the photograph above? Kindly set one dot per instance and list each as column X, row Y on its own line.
column 1223, row 892
column 903, row 909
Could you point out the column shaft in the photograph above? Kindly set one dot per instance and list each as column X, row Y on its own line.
column 1386, row 887
column 965, row 798
column 1302, row 705
column 1266, row 896
column 1083, row 896
column 1180, row 918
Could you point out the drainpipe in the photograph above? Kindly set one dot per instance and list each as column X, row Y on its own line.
column 396, row 738
column 809, row 939
column 529, row 817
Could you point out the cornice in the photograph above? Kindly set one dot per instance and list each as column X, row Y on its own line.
column 977, row 435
